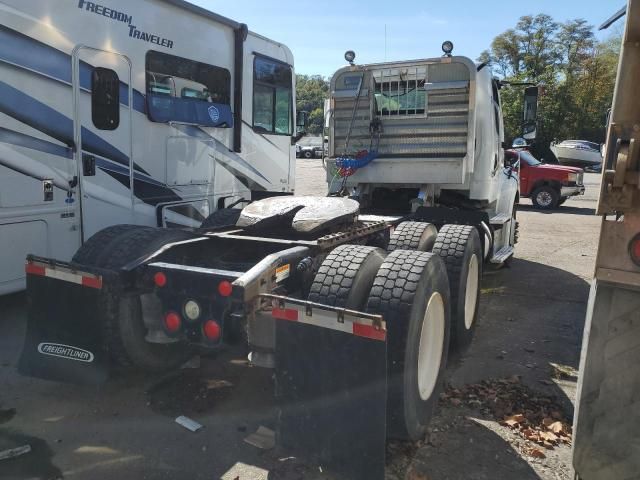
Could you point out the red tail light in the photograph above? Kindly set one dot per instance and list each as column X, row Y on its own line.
column 634, row 249
column 225, row 288
column 160, row 279
column 211, row 330
column 172, row 322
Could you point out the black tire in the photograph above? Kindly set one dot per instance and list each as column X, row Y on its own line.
column 545, row 197
column 89, row 252
column 345, row 277
column 223, row 217
column 562, row 200
column 307, row 154
column 124, row 330
column 418, row 236
column 406, row 284
column 457, row 245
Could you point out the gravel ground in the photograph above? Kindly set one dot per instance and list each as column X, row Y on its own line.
column 530, row 325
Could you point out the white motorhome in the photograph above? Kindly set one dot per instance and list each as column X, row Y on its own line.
column 154, row 112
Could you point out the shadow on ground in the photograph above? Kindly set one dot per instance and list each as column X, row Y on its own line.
column 530, row 324
column 564, row 209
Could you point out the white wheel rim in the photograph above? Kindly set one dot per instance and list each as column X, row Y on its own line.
column 431, row 346
column 471, row 292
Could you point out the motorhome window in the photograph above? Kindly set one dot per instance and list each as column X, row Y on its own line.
column 105, row 99
column 400, row 97
column 179, row 89
column 272, row 97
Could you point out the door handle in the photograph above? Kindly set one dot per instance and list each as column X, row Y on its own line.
column 88, row 165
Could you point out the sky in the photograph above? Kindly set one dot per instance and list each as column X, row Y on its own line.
column 320, row 32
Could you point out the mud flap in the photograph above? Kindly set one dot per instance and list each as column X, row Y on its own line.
column 64, row 332
column 331, row 370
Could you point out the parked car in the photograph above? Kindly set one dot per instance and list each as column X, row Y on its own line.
column 308, row 151
column 578, row 153
column 548, row 186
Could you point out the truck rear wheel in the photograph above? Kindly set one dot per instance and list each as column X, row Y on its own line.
column 412, row 294
column 124, row 330
column 459, row 246
column 345, row 277
column 413, row 236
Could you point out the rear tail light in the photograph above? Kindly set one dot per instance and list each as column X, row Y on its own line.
column 211, row 330
column 225, row 288
column 634, row 249
column 160, row 279
column 172, row 322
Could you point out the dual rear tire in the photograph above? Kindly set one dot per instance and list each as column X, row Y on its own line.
column 429, row 301
column 410, row 290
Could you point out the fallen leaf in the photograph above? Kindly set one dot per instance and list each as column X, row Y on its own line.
column 514, row 419
column 455, row 401
column 537, row 453
column 555, row 427
column 549, row 436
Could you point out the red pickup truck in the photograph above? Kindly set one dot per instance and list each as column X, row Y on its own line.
column 547, row 185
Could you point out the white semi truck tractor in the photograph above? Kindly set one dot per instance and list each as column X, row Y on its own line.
column 354, row 299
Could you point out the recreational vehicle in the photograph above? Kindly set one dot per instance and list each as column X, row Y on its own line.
column 154, row 112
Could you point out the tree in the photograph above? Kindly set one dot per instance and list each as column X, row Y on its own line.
column 311, row 91
column 577, row 75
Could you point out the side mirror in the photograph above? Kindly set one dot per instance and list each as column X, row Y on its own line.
column 302, row 119
column 530, row 113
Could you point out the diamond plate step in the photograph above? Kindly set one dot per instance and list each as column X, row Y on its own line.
column 502, row 255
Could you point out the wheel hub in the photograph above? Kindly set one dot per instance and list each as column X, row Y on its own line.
column 431, row 346
column 544, row 199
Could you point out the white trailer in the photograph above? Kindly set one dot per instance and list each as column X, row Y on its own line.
column 154, row 112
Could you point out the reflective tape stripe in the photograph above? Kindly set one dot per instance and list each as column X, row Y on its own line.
column 59, row 273
column 285, row 314
column 329, row 319
column 369, row 331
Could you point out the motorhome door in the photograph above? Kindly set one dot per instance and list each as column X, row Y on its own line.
column 102, row 133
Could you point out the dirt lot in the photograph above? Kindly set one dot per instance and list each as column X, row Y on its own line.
column 527, row 344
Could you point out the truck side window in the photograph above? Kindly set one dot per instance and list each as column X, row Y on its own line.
column 272, row 97
column 182, row 90
column 105, row 99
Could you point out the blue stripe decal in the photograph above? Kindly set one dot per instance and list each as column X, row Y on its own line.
column 202, row 135
column 27, row 141
column 20, row 139
column 26, row 52
column 36, row 114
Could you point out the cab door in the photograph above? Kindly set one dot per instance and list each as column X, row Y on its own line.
column 103, row 137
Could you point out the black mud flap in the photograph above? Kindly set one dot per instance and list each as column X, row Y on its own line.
column 331, row 370
column 64, row 332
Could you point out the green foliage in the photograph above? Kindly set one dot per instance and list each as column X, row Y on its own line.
column 576, row 73
column 311, row 91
